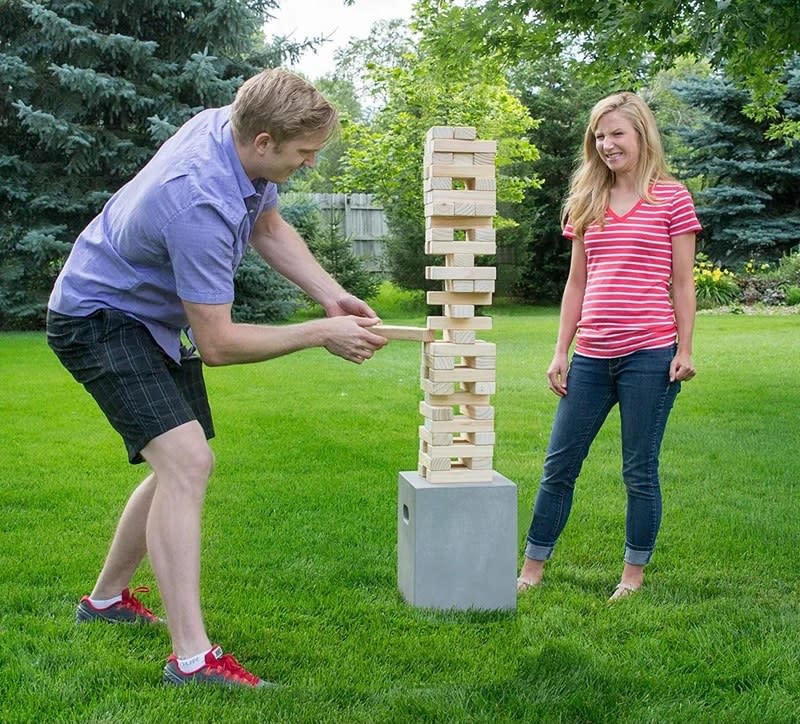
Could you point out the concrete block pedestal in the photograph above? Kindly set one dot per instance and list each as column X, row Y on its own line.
column 457, row 543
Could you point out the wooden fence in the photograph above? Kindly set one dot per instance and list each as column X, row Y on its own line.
column 362, row 222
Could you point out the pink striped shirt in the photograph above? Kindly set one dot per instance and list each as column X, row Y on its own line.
column 627, row 304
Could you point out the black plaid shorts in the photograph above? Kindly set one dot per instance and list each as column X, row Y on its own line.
column 140, row 389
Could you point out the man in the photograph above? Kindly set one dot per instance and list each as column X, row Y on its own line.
column 159, row 260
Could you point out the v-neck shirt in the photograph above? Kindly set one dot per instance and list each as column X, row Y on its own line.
column 627, row 304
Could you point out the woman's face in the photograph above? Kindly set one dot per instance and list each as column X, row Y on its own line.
column 617, row 143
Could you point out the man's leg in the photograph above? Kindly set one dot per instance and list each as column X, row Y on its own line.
column 129, row 545
column 182, row 462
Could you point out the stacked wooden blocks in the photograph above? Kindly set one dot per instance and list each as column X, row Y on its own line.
column 458, row 370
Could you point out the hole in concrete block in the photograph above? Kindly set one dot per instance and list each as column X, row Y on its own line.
column 405, row 514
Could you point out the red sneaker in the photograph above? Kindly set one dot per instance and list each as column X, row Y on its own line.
column 129, row 610
column 219, row 668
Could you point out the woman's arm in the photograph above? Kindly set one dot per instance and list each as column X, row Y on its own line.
column 571, row 305
column 685, row 305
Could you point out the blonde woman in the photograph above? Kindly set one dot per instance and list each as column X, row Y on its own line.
column 629, row 306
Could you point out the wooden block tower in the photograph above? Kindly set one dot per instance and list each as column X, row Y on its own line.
column 458, row 370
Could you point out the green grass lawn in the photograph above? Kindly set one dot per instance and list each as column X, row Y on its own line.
column 299, row 549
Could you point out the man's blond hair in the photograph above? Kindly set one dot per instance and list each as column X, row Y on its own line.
column 282, row 104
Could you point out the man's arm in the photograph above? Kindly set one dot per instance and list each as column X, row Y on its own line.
column 221, row 341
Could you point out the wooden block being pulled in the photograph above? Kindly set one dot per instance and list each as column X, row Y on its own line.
column 412, row 334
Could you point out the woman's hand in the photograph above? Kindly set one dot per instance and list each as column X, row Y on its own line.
column 557, row 373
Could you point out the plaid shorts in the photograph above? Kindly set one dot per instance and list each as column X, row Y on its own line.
column 142, row 391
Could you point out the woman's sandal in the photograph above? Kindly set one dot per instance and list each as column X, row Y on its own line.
column 623, row 590
column 525, row 584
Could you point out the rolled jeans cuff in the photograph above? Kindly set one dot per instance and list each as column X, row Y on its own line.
column 637, row 558
column 537, row 552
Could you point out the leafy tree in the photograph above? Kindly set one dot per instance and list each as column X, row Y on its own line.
column 627, row 41
column 385, row 156
column 89, row 90
column 748, row 202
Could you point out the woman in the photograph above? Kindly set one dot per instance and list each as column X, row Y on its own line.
column 629, row 303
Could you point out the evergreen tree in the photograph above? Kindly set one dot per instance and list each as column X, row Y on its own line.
column 748, row 202
column 90, row 89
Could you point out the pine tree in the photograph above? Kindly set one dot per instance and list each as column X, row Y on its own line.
column 748, row 202
column 90, row 89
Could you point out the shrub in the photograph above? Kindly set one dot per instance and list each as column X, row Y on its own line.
column 714, row 286
column 770, row 284
column 793, row 296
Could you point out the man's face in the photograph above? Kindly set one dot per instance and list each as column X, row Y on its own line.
column 279, row 161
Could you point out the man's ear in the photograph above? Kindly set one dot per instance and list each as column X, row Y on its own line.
column 262, row 142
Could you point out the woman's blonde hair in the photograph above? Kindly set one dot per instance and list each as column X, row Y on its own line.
column 592, row 181
column 282, row 104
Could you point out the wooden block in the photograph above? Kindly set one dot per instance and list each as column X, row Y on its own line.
column 480, row 158
column 459, row 247
column 485, row 234
column 456, row 195
column 465, row 132
column 457, row 398
column 485, row 184
column 430, row 463
column 458, row 474
column 411, row 334
column 459, row 424
column 461, row 374
column 433, row 412
column 457, row 272
column 479, row 463
column 484, row 285
column 443, row 208
column 459, row 449
column 437, row 388
column 454, row 323
column 441, row 132
column 459, row 336
column 459, row 285
column 465, row 171
column 439, row 184
column 482, row 437
column 458, row 298
column 481, row 363
column 436, row 438
column 434, row 157
column 461, row 146
column 439, row 362
column 459, row 311
column 483, row 349
column 463, row 159
column 462, row 223
column 460, row 259
column 443, row 234
column 477, row 412
column 482, row 387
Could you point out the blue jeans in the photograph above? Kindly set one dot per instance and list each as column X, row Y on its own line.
column 639, row 382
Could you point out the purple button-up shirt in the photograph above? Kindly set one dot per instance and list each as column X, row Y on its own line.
column 176, row 231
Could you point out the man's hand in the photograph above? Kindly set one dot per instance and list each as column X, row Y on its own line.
column 349, row 304
column 349, row 337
